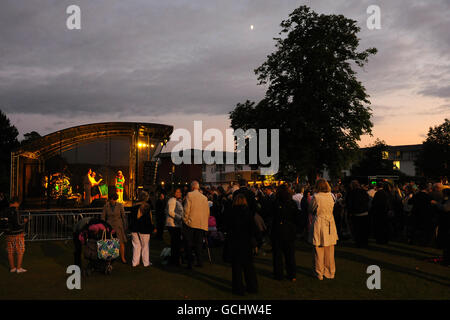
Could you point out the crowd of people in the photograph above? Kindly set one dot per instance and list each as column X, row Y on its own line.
column 250, row 220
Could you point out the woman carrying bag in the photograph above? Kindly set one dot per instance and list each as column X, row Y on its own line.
column 114, row 214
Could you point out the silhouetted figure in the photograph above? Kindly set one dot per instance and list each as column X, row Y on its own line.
column 380, row 212
column 160, row 207
column 357, row 202
column 421, row 216
column 283, row 234
column 243, row 243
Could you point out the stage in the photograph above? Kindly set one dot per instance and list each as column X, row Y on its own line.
column 71, row 167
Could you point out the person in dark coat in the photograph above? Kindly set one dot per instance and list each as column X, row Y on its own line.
column 421, row 216
column 242, row 242
column 283, row 234
column 227, row 214
column 304, row 205
column 338, row 213
column 379, row 211
column 444, row 224
column 160, row 207
column 437, row 195
column 15, row 236
column 268, row 207
column 249, row 195
column 357, row 203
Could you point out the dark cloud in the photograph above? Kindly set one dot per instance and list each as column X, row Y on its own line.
column 192, row 56
column 142, row 57
column 443, row 110
column 435, row 91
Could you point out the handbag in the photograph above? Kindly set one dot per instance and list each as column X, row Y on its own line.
column 165, row 256
column 108, row 249
column 125, row 224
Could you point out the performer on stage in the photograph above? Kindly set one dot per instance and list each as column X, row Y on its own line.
column 87, row 188
column 120, row 181
column 95, row 192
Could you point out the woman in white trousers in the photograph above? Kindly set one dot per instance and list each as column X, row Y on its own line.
column 141, row 227
column 323, row 234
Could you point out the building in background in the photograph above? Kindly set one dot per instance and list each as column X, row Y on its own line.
column 182, row 174
column 403, row 157
column 214, row 174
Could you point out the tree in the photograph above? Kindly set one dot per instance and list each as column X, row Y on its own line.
column 372, row 161
column 8, row 142
column 313, row 95
column 434, row 159
column 30, row 136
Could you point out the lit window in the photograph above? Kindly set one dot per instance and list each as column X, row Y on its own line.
column 385, row 155
column 396, row 165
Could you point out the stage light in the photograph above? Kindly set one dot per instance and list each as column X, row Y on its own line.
column 142, row 145
column 152, row 145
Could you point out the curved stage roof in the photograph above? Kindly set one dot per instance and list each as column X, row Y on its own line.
column 62, row 140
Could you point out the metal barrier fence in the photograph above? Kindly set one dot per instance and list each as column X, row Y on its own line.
column 54, row 224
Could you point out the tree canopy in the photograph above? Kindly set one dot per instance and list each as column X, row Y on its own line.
column 8, row 141
column 434, row 159
column 313, row 96
column 30, row 136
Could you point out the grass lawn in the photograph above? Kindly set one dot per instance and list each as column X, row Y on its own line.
column 404, row 275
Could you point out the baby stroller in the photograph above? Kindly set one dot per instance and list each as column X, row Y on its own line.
column 99, row 231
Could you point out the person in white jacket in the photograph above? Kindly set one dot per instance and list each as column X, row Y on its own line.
column 323, row 234
column 174, row 221
column 196, row 215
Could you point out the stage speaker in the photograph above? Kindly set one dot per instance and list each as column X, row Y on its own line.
column 98, row 203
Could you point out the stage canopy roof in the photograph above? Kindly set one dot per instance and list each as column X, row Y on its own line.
column 60, row 141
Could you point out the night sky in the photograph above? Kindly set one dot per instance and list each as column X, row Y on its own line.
column 176, row 61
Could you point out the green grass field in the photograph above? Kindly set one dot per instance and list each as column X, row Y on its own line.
column 404, row 275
